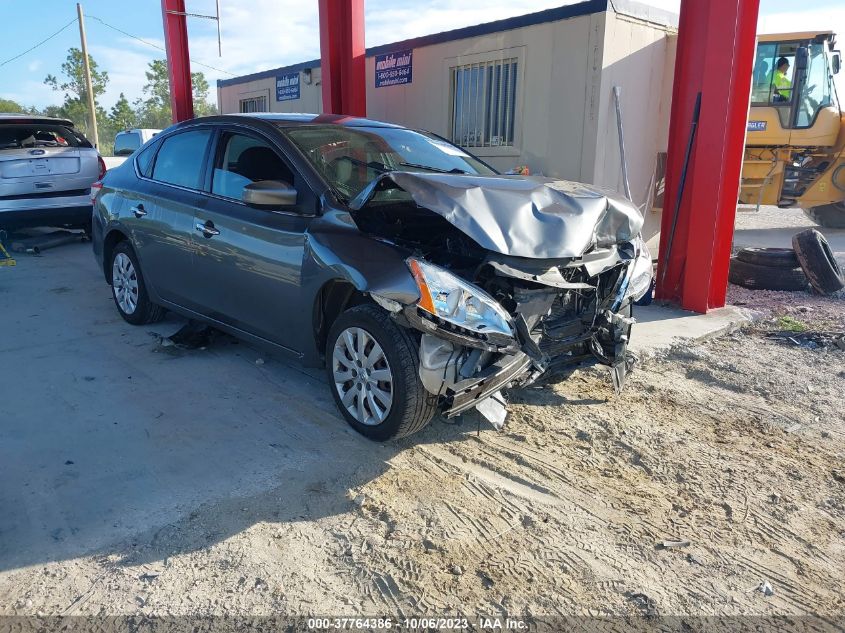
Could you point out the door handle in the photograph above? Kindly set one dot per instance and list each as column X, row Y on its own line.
column 207, row 229
column 138, row 211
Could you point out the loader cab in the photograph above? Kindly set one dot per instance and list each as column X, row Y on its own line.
column 806, row 100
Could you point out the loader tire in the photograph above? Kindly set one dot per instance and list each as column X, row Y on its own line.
column 818, row 262
column 757, row 277
column 830, row 216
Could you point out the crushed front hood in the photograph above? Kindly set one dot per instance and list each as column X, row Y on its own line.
column 520, row 216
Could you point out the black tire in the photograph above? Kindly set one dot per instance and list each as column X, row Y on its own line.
column 831, row 216
column 412, row 406
column 775, row 257
column 817, row 261
column 759, row 277
column 145, row 311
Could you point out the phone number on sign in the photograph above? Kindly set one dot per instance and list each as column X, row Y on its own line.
column 387, row 623
column 392, row 74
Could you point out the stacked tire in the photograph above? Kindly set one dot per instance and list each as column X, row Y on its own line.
column 817, row 261
column 810, row 262
column 767, row 269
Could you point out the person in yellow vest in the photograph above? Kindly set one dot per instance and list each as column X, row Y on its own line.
column 781, row 83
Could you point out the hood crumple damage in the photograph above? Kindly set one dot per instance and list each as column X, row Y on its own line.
column 533, row 217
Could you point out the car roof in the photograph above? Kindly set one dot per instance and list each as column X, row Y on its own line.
column 296, row 119
column 133, row 130
column 14, row 117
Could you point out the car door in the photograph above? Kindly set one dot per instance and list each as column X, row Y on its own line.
column 161, row 214
column 248, row 260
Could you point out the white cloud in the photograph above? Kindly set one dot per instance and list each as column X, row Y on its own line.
column 256, row 35
column 263, row 34
column 403, row 21
column 34, row 92
column 34, row 65
column 126, row 63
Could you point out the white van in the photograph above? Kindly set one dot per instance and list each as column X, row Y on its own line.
column 128, row 141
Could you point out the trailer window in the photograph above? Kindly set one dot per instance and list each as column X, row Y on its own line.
column 253, row 104
column 484, row 99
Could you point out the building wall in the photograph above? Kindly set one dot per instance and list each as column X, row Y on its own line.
column 311, row 98
column 639, row 58
column 565, row 122
column 550, row 93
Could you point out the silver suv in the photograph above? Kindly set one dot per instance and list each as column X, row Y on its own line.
column 46, row 171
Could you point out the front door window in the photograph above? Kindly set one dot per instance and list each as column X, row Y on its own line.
column 243, row 161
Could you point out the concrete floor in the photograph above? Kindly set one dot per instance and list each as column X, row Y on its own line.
column 104, row 434
column 660, row 327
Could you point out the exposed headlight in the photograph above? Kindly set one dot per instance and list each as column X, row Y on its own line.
column 639, row 280
column 454, row 300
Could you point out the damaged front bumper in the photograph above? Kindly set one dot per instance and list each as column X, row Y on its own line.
column 556, row 324
column 464, row 378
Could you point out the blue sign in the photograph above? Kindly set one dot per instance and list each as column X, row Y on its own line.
column 287, row 87
column 756, row 126
column 394, row 69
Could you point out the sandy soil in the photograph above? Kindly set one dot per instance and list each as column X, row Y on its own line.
column 735, row 446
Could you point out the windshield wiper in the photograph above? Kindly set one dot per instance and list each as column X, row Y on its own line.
column 454, row 170
column 371, row 165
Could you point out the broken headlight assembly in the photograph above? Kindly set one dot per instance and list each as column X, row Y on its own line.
column 453, row 300
column 640, row 275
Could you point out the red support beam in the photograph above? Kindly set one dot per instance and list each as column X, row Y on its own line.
column 715, row 55
column 178, row 60
column 342, row 57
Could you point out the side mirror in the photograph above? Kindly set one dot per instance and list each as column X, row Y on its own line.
column 802, row 58
column 835, row 62
column 269, row 193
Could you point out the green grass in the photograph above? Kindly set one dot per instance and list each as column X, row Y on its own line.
column 791, row 324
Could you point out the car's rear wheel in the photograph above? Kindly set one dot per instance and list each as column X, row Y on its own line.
column 128, row 288
column 372, row 366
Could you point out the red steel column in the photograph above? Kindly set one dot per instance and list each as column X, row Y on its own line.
column 178, row 60
column 342, row 57
column 715, row 55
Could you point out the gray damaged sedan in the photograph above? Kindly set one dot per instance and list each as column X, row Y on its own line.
column 419, row 277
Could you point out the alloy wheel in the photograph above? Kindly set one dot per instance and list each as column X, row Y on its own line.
column 124, row 283
column 362, row 376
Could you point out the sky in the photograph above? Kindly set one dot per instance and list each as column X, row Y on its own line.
column 263, row 34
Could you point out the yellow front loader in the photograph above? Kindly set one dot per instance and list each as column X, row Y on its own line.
column 795, row 143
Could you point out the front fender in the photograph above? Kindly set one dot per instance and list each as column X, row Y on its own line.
column 336, row 249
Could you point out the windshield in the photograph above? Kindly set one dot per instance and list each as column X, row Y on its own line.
column 817, row 91
column 350, row 157
column 126, row 142
column 20, row 135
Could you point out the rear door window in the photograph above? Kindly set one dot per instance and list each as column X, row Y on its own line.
column 181, row 159
column 144, row 160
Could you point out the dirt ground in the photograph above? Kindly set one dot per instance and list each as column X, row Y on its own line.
column 735, row 445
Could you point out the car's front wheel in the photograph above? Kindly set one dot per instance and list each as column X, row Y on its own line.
column 128, row 288
column 373, row 372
